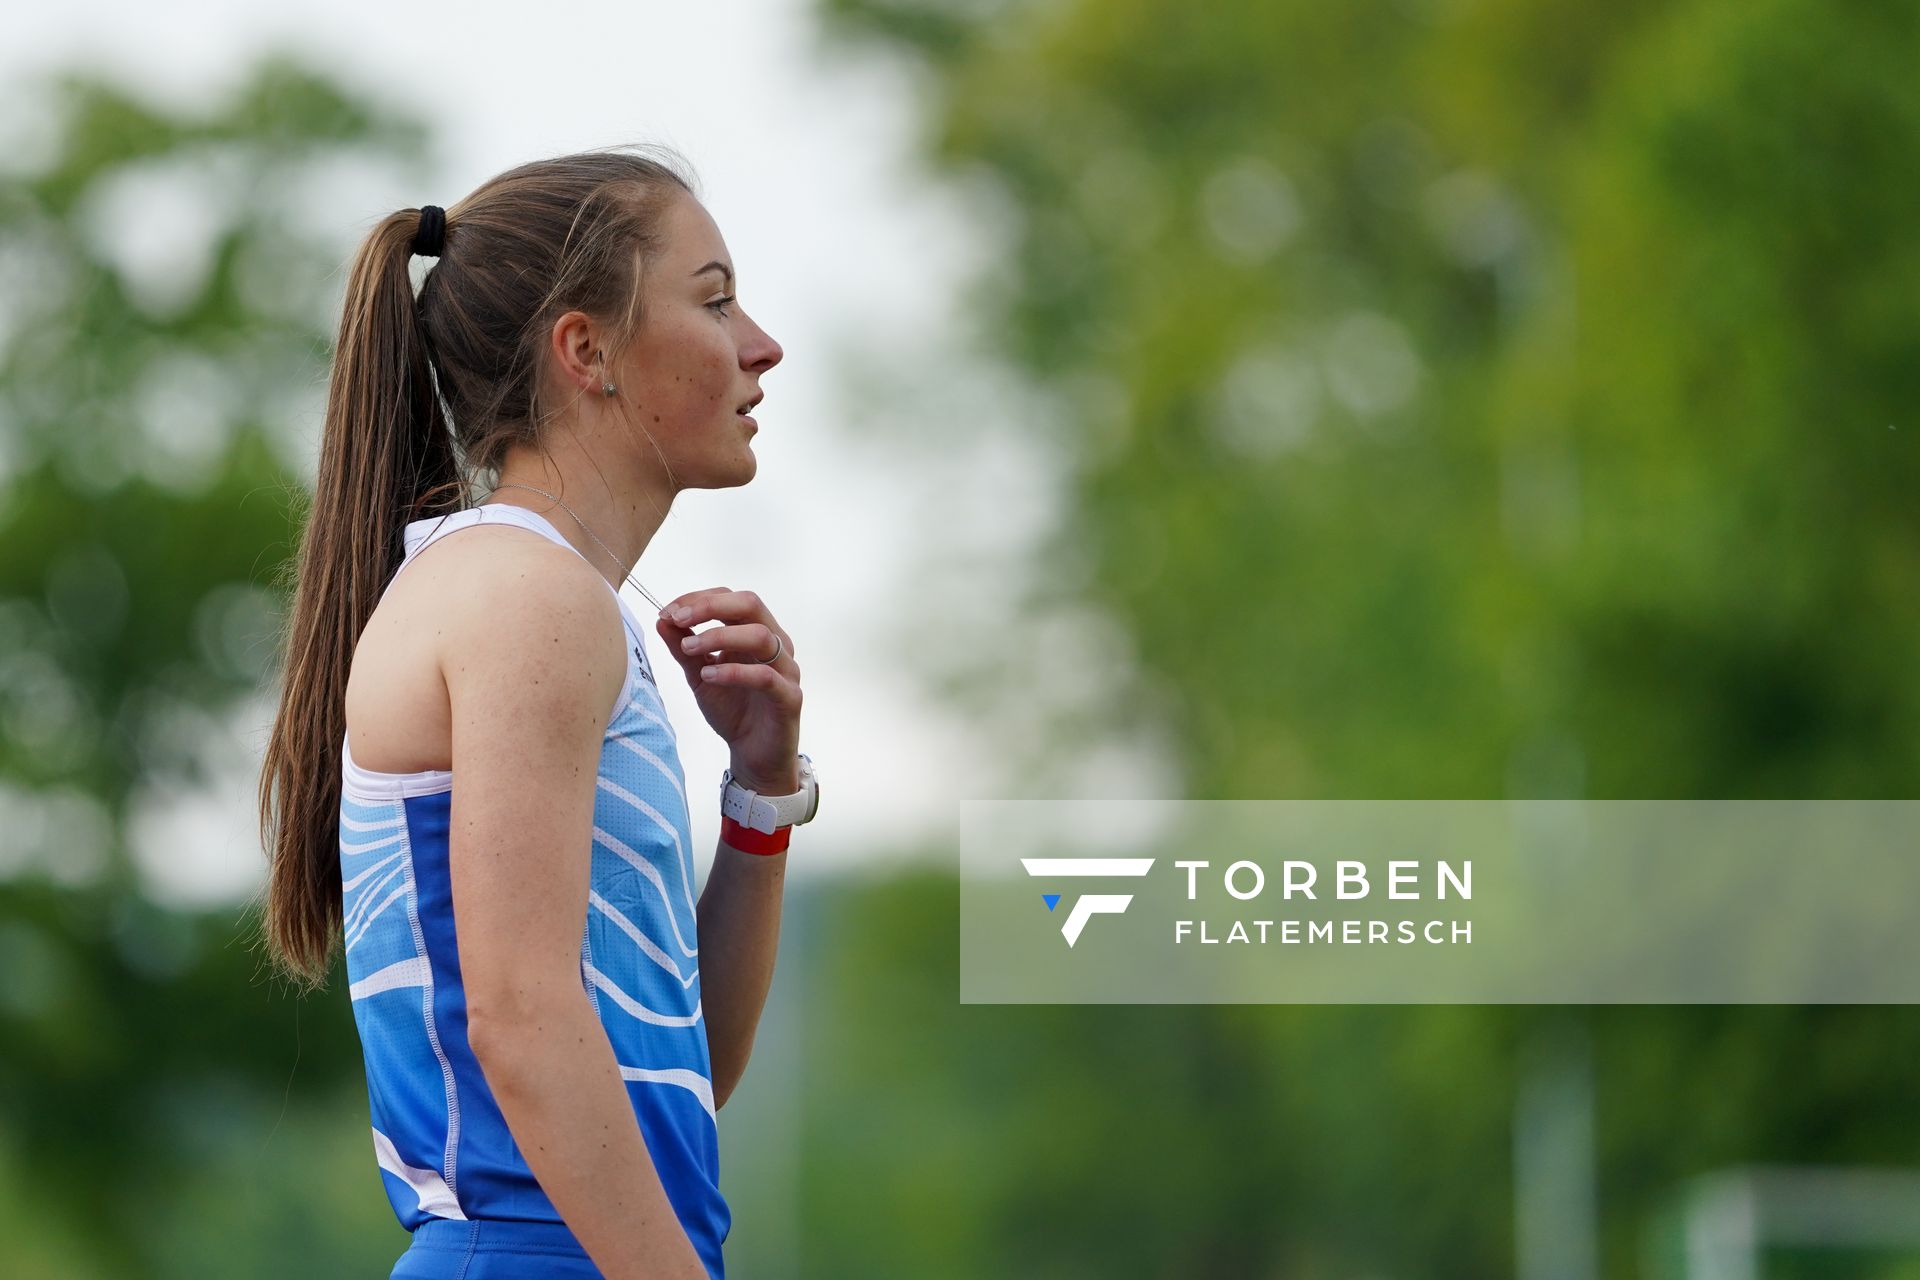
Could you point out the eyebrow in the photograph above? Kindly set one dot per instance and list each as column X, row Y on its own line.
column 717, row 265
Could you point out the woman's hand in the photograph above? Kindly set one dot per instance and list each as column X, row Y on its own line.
column 753, row 704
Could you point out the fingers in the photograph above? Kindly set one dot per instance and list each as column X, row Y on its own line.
column 752, row 640
column 690, row 663
column 729, row 649
column 781, row 689
column 718, row 604
column 736, row 653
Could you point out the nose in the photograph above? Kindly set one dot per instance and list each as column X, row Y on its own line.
column 762, row 352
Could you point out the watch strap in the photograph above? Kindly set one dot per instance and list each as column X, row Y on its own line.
column 768, row 814
column 747, row 840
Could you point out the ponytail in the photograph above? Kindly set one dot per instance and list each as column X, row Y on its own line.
column 384, row 453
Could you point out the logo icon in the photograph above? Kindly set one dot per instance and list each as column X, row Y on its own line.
column 1087, row 905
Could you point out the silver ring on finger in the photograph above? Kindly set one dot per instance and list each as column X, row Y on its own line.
column 778, row 648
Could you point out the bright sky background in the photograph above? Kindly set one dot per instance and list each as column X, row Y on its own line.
column 844, row 253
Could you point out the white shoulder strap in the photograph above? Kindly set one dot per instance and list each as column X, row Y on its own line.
column 423, row 533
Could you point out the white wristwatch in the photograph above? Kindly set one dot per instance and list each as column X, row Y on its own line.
column 769, row 813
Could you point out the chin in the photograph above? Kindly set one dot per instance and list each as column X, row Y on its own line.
column 737, row 472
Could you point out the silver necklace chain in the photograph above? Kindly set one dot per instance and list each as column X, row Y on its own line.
column 590, row 533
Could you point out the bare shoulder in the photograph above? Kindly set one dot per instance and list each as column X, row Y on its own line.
column 533, row 651
column 499, row 602
column 510, row 605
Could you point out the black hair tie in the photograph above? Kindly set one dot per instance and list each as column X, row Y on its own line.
column 431, row 239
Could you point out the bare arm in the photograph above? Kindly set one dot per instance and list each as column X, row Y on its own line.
column 560, row 1090
column 746, row 680
column 533, row 663
column 739, row 938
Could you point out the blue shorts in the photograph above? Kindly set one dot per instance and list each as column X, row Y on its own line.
column 493, row 1249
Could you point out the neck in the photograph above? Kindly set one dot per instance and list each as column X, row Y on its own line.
column 625, row 516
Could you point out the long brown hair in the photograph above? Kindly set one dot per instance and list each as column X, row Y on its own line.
column 426, row 397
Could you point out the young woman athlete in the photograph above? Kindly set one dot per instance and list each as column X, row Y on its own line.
column 472, row 781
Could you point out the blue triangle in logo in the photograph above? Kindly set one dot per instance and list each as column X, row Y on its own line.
column 1051, row 899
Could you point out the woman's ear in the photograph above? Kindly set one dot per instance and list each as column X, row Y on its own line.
column 575, row 347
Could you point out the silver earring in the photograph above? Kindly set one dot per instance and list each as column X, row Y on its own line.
column 608, row 389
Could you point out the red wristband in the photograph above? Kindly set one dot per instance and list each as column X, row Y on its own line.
column 747, row 840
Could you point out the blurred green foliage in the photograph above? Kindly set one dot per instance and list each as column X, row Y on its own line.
column 164, row 1111
column 1461, row 399
column 1468, row 398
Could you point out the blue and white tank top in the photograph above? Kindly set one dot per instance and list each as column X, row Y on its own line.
column 442, row 1146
